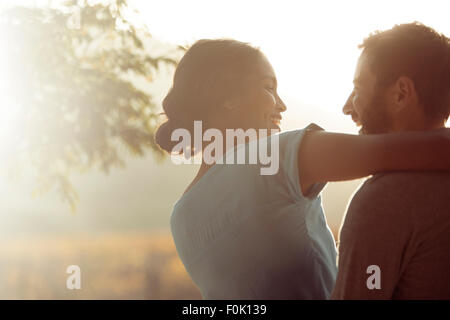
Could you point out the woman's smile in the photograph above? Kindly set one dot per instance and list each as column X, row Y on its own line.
column 276, row 119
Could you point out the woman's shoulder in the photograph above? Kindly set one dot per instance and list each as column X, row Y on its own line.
column 231, row 179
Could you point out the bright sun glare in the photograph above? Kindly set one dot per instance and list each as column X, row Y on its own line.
column 8, row 117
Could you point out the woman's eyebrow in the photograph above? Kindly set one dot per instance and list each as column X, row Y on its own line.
column 358, row 81
column 270, row 78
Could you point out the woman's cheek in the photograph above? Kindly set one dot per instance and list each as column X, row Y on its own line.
column 269, row 100
column 274, row 100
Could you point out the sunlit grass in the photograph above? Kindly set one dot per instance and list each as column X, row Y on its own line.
column 112, row 267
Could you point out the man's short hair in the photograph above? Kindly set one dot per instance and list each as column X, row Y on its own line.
column 418, row 52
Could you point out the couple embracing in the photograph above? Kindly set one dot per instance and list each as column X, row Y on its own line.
column 245, row 235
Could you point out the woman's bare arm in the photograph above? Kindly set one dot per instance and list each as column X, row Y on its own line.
column 325, row 156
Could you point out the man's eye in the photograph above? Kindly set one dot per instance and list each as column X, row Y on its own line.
column 270, row 88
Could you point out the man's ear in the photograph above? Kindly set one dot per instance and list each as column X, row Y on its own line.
column 404, row 93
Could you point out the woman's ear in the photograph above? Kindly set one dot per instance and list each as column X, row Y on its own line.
column 229, row 105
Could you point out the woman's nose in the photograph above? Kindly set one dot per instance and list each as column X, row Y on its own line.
column 280, row 105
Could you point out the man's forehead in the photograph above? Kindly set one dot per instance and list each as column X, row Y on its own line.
column 362, row 72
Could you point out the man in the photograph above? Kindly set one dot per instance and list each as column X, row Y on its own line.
column 395, row 238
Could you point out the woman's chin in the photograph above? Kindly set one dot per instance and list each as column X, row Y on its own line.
column 275, row 126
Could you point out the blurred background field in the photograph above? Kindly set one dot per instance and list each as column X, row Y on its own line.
column 113, row 266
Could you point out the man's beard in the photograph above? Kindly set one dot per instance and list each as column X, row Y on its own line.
column 376, row 119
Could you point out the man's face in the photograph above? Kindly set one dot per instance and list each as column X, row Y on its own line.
column 366, row 104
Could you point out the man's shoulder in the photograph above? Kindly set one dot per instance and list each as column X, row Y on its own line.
column 408, row 181
column 402, row 189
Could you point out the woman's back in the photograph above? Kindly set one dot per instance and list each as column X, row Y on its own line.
column 243, row 235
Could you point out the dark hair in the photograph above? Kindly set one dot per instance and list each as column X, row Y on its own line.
column 210, row 73
column 418, row 52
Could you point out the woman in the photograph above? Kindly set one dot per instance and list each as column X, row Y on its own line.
column 244, row 235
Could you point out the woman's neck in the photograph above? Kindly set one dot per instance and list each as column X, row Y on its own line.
column 204, row 167
column 200, row 173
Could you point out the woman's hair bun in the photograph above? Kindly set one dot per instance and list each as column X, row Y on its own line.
column 163, row 136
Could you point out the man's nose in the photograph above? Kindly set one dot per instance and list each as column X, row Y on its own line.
column 348, row 106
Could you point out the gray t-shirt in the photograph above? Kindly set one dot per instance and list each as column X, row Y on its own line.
column 399, row 222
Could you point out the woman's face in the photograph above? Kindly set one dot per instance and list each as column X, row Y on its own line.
column 260, row 107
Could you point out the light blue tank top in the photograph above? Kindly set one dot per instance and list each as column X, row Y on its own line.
column 243, row 235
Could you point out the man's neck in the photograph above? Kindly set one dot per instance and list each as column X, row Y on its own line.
column 421, row 124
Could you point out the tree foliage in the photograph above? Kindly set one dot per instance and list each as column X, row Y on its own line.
column 71, row 75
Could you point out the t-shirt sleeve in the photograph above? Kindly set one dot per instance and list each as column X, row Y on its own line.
column 290, row 144
column 374, row 245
